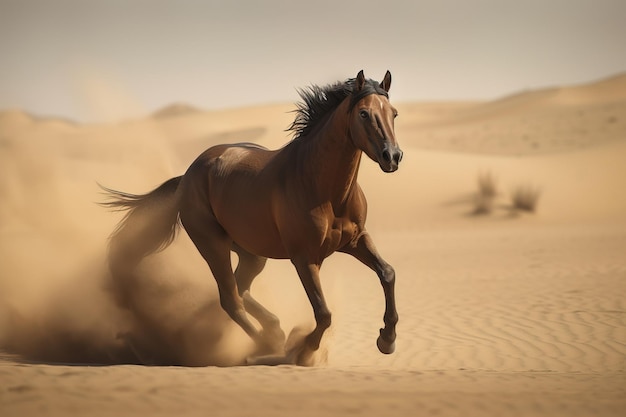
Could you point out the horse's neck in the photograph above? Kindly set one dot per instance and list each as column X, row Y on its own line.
column 332, row 160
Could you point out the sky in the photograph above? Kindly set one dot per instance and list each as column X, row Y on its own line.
column 106, row 60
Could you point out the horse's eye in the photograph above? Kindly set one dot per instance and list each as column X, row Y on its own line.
column 395, row 115
column 364, row 114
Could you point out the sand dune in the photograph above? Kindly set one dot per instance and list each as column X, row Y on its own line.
column 535, row 122
column 502, row 314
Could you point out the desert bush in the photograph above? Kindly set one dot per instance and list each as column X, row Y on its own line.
column 525, row 198
column 487, row 192
column 487, row 185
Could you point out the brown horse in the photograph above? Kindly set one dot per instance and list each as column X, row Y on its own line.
column 301, row 202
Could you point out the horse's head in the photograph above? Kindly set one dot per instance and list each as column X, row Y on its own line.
column 371, row 122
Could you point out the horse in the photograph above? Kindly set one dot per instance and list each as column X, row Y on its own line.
column 301, row 202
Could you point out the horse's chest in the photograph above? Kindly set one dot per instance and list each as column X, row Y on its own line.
column 338, row 235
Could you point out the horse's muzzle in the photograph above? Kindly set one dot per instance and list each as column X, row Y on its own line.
column 390, row 158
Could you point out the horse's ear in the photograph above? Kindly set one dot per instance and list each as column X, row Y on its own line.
column 359, row 82
column 386, row 84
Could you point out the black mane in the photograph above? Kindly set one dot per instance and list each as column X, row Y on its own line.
column 318, row 101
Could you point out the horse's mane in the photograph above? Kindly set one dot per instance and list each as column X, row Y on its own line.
column 318, row 101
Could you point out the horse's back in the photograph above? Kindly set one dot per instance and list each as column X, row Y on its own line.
column 238, row 182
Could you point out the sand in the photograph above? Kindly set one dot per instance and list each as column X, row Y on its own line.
column 506, row 313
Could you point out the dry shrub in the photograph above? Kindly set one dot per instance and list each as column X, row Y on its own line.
column 487, row 186
column 525, row 198
column 487, row 192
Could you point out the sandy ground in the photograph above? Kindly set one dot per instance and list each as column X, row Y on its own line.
column 506, row 313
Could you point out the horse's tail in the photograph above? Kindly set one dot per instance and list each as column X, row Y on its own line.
column 149, row 225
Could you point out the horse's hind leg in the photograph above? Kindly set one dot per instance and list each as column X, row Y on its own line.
column 309, row 276
column 248, row 268
column 215, row 247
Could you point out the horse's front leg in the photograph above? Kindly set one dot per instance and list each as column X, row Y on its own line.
column 365, row 251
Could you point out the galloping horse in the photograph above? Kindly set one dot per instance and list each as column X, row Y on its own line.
column 301, row 202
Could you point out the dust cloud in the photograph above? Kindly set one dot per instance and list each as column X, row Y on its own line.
column 59, row 301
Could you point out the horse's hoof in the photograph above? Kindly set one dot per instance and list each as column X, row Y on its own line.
column 269, row 360
column 300, row 356
column 384, row 346
column 271, row 343
column 306, row 357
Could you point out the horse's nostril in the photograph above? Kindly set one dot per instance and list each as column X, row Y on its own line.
column 386, row 156
column 398, row 156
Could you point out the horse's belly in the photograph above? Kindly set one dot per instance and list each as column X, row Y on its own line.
column 258, row 238
column 247, row 218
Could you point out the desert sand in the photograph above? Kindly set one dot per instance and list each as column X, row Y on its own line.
column 502, row 314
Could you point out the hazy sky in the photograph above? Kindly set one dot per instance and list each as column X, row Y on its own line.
column 104, row 60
